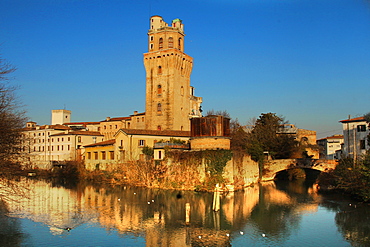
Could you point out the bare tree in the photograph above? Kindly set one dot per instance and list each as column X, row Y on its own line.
column 12, row 118
column 223, row 113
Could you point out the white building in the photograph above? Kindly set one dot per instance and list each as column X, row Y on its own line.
column 49, row 145
column 329, row 146
column 355, row 132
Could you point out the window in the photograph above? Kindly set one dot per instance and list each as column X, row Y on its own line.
column 111, row 155
column 151, row 38
column 68, row 147
column 182, row 91
column 103, row 155
column 79, row 139
column 137, row 119
column 69, row 138
column 180, row 41
column 142, row 119
column 170, row 42
column 361, row 128
column 159, row 70
column 161, row 43
column 159, row 127
column 159, row 89
column 141, row 143
column 159, row 107
column 160, row 155
column 96, row 155
column 362, row 144
column 89, row 155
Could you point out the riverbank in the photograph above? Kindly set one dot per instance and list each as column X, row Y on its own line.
column 350, row 176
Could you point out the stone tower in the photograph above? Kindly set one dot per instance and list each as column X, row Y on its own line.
column 60, row 116
column 170, row 102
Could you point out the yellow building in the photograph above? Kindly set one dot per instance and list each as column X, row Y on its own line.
column 99, row 155
column 170, row 100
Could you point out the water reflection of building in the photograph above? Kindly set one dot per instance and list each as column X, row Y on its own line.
column 160, row 216
column 57, row 207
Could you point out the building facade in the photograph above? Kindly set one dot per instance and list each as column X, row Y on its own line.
column 170, row 100
column 355, row 133
column 329, row 146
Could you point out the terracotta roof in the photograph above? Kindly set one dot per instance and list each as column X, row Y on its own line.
column 116, row 119
column 82, row 123
column 55, row 127
column 137, row 114
column 84, row 133
column 335, row 137
column 332, row 137
column 177, row 133
column 104, row 143
column 357, row 119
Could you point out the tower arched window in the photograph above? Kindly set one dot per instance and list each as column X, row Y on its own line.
column 159, row 127
column 159, row 108
column 159, row 70
column 170, row 42
column 182, row 91
column 159, row 89
column 161, row 43
column 180, row 42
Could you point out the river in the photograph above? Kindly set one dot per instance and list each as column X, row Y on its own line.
column 271, row 214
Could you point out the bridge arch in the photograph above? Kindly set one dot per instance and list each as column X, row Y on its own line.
column 272, row 167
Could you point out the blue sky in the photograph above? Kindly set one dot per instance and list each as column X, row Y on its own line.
column 307, row 60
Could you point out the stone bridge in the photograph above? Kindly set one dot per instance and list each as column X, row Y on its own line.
column 272, row 167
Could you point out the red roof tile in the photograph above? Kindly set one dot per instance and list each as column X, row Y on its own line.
column 358, row 119
column 85, row 133
column 176, row 133
column 104, row 143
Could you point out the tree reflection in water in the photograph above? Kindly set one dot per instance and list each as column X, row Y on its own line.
column 10, row 228
column 354, row 223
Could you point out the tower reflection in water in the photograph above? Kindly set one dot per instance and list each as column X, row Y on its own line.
column 165, row 217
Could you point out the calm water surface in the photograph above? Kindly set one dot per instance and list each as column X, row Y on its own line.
column 272, row 214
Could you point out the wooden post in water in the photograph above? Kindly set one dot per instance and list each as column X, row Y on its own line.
column 187, row 213
column 216, row 199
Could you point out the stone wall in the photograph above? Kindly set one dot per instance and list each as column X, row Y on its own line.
column 210, row 143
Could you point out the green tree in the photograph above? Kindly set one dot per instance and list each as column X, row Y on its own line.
column 266, row 136
column 351, row 176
